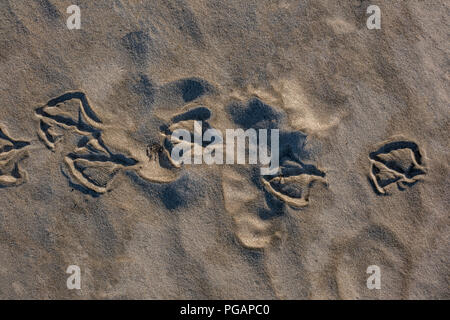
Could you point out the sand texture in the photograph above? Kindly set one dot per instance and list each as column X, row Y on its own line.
column 87, row 177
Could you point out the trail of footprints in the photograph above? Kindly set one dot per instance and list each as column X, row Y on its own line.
column 92, row 165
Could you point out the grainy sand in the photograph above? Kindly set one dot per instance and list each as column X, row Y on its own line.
column 87, row 179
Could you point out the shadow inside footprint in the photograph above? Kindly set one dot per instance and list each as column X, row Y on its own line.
column 398, row 162
column 91, row 165
column 12, row 152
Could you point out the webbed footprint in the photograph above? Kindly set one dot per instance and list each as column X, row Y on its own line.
column 94, row 165
column 294, row 183
column 398, row 162
column 12, row 152
column 70, row 111
column 187, row 121
column 91, row 164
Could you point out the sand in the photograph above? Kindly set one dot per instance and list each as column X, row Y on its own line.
column 87, row 177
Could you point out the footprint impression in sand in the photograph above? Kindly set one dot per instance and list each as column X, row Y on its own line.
column 11, row 153
column 396, row 163
column 259, row 203
column 93, row 163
